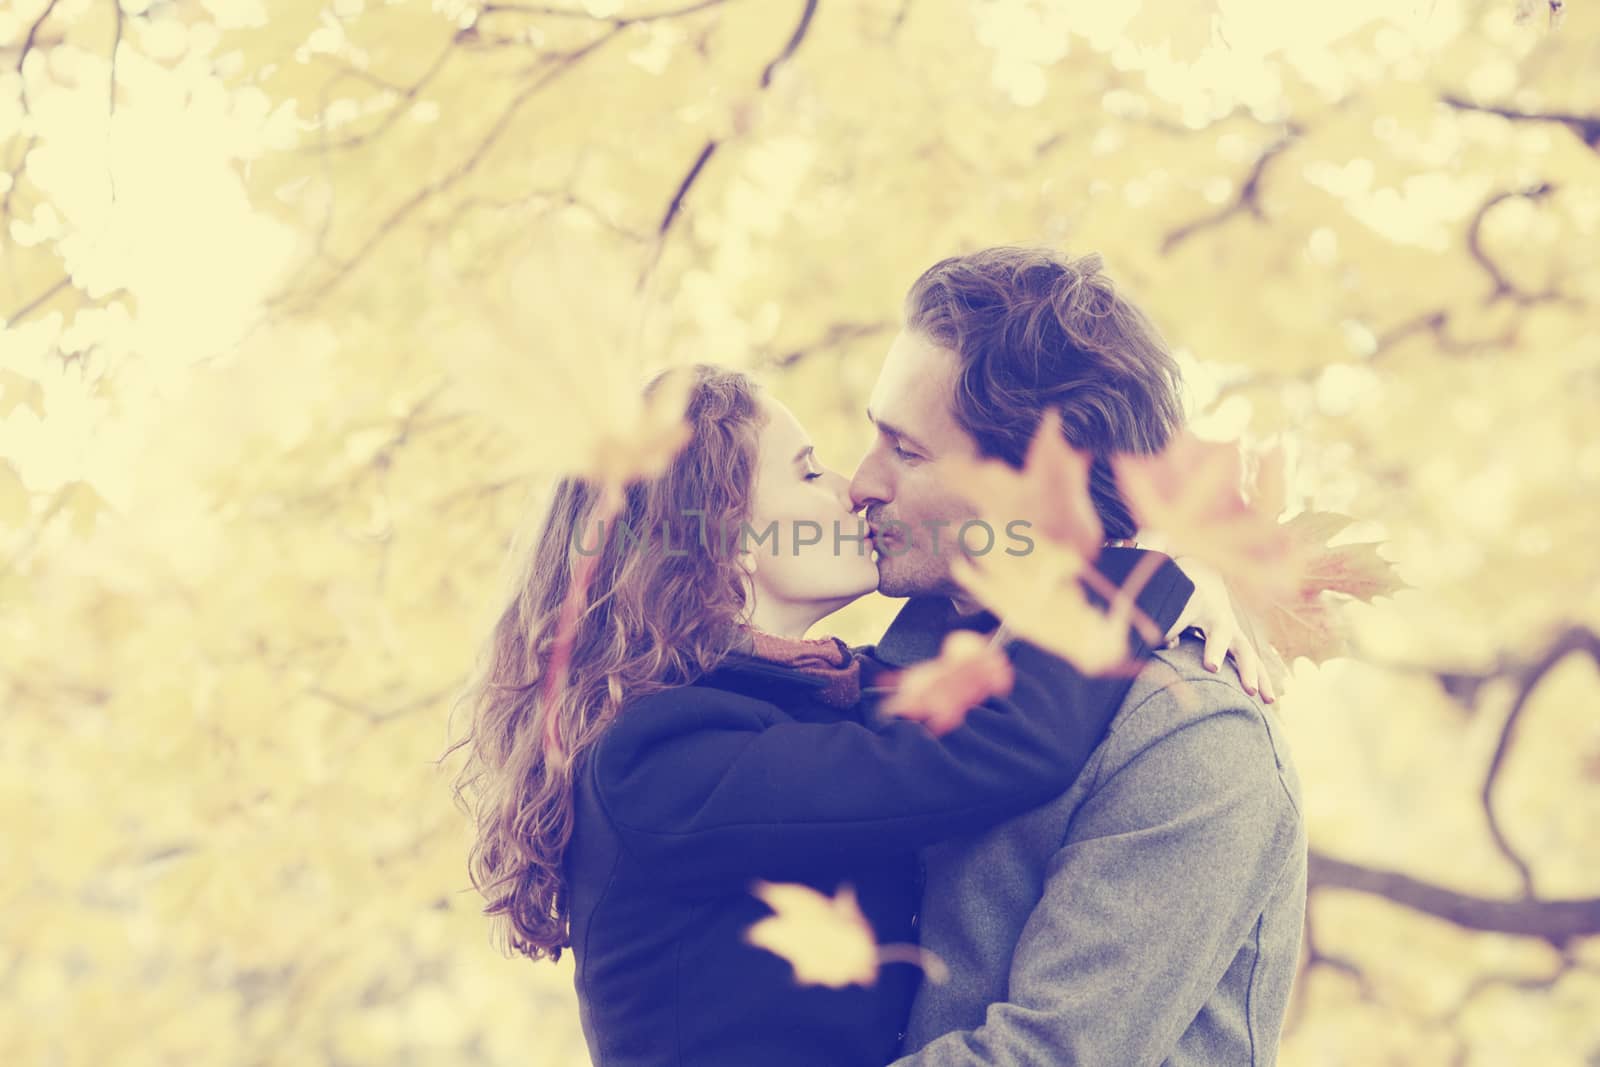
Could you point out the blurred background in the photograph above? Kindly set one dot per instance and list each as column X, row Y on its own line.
column 305, row 304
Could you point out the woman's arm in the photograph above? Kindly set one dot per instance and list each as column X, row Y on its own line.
column 703, row 784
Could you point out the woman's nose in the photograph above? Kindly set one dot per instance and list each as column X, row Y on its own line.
column 841, row 489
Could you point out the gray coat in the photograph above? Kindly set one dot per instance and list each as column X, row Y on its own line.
column 1149, row 915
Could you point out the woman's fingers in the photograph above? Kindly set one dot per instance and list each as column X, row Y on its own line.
column 1249, row 667
column 1216, row 648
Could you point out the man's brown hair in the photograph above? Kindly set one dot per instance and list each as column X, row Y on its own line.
column 1033, row 330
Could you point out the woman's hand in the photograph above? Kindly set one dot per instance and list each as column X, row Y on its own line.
column 1211, row 612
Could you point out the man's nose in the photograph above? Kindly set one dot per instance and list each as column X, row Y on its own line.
column 866, row 486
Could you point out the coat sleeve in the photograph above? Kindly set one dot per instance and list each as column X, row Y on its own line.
column 1166, row 868
column 702, row 783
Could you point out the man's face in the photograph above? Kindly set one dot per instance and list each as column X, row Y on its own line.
column 900, row 479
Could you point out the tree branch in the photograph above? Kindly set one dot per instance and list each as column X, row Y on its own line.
column 342, row 270
column 837, row 334
column 405, row 92
column 1587, row 127
column 686, row 183
column 617, row 21
column 1437, row 323
column 1248, row 200
column 1574, row 639
column 33, row 305
column 684, row 186
column 1503, row 286
column 1555, row 921
column 789, row 49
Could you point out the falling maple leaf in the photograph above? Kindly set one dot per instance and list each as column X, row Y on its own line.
column 1306, row 621
column 939, row 692
column 638, row 439
column 1268, row 491
column 634, row 436
column 1041, row 594
column 1041, row 597
column 1190, row 496
column 1051, row 491
column 827, row 939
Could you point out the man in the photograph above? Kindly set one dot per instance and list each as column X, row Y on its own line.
column 1152, row 913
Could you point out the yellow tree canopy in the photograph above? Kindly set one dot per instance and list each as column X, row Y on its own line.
column 305, row 304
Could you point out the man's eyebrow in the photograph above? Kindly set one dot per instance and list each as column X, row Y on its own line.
column 798, row 456
column 895, row 431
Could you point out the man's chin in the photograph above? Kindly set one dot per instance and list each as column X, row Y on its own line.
column 897, row 580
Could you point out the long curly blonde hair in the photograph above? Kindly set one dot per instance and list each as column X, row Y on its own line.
column 650, row 619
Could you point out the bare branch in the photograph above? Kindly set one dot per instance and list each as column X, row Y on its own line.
column 1575, row 639
column 1437, row 323
column 1503, row 286
column 406, row 93
column 116, row 41
column 29, row 41
column 391, row 223
column 838, row 333
column 1315, row 956
column 680, row 195
column 618, row 21
column 1248, row 200
column 1555, row 921
column 683, row 187
column 1527, row 983
column 793, row 44
column 1587, row 127
column 33, row 305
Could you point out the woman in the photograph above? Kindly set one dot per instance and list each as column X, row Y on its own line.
column 700, row 742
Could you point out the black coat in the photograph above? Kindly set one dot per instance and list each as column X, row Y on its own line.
column 695, row 792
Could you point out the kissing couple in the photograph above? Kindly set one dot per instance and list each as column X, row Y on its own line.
column 724, row 818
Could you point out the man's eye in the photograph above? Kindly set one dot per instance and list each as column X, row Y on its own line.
column 903, row 454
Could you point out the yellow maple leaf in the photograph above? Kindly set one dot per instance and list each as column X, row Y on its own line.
column 826, row 939
column 1051, row 491
column 637, row 436
column 1305, row 621
column 939, row 692
column 1040, row 598
column 1191, row 496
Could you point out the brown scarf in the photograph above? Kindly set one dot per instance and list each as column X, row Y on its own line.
column 826, row 658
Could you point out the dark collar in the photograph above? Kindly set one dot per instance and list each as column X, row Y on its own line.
column 920, row 627
column 918, row 630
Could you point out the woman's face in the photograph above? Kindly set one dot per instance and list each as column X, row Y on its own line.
column 807, row 554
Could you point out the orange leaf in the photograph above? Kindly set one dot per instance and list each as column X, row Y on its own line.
column 1040, row 598
column 1269, row 490
column 1306, row 622
column 827, row 940
column 1051, row 491
column 638, row 437
column 939, row 692
column 1191, row 495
